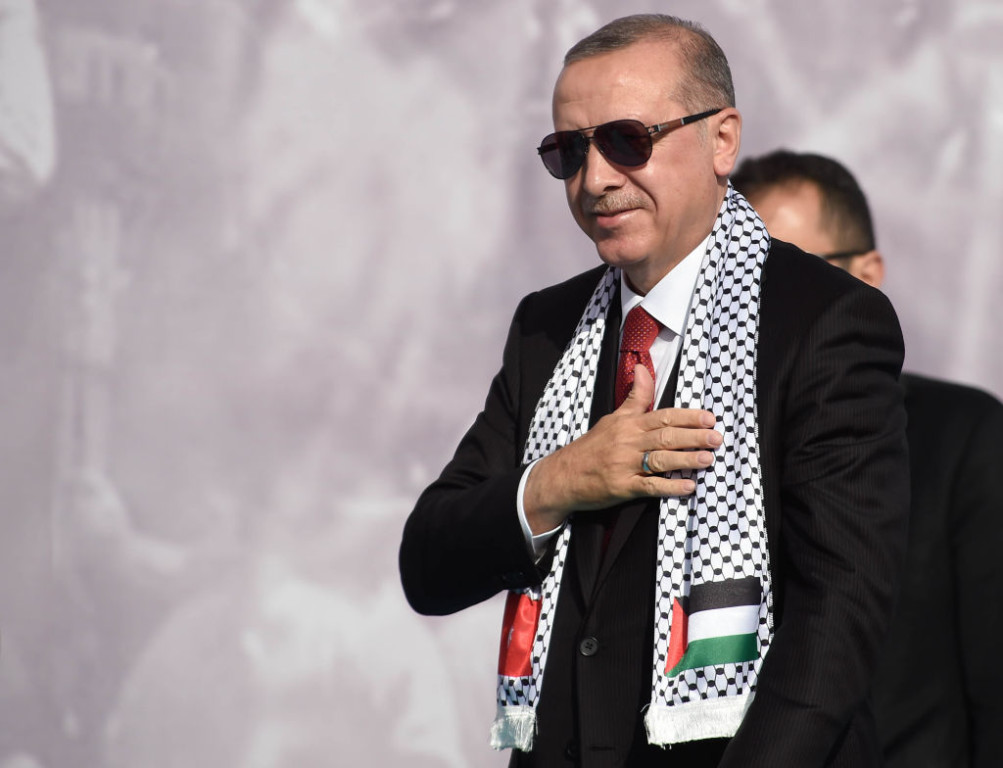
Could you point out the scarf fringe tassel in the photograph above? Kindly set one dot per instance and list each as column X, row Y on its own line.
column 700, row 719
column 514, row 727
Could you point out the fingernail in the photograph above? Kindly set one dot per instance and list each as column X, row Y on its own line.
column 689, row 486
column 708, row 420
column 705, row 458
column 715, row 439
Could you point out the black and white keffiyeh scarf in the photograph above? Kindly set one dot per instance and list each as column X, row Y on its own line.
column 713, row 611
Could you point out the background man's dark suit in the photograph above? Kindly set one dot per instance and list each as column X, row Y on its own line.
column 834, row 467
column 953, row 588
column 936, row 692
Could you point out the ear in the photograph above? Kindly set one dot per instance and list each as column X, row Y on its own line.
column 726, row 134
column 869, row 267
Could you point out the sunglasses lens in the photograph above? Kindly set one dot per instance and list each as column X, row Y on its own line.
column 624, row 142
column 563, row 153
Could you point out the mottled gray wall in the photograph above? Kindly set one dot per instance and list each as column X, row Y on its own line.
column 258, row 260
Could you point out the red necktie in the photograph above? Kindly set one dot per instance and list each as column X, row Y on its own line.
column 639, row 331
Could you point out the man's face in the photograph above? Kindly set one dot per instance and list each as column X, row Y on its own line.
column 648, row 218
column 793, row 212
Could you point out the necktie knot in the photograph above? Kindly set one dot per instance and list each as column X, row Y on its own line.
column 639, row 331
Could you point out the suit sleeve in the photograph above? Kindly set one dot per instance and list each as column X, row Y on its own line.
column 463, row 541
column 844, row 498
column 976, row 519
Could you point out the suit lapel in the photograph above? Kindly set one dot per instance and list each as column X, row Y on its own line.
column 602, row 396
column 631, row 511
column 589, row 526
column 592, row 566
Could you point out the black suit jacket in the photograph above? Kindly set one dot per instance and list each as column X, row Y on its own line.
column 937, row 691
column 832, row 447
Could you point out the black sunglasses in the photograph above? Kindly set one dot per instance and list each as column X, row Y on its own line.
column 624, row 142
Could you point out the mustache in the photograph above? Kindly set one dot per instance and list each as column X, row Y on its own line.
column 613, row 203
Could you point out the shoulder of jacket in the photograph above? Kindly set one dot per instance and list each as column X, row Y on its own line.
column 950, row 395
column 805, row 285
column 570, row 295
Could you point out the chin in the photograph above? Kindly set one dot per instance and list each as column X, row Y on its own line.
column 616, row 255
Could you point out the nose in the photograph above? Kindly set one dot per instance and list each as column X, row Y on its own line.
column 599, row 175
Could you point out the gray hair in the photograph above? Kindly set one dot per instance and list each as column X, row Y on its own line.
column 708, row 82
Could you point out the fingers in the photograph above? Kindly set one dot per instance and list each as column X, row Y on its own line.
column 655, row 485
column 660, row 462
column 603, row 466
column 642, row 393
column 688, row 418
column 696, row 442
column 679, row 429
column 680, row 439
column 676, row 439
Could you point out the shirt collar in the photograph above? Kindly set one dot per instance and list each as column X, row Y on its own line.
column 669, row 301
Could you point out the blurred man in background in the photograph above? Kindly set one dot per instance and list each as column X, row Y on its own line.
column 936, row 694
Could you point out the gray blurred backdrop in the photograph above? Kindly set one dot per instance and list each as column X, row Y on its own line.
column 258, row 261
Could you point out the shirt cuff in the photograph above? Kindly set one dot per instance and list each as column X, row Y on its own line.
column 537, row 544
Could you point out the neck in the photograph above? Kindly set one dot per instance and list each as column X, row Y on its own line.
column 644, row 276
column 641, row 279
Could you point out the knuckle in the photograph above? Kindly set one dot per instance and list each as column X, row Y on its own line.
column 665, row 417
column 668, row 437
column 681, row 460
column 653, row 463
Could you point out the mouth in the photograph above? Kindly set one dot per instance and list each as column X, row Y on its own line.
column 611, row 218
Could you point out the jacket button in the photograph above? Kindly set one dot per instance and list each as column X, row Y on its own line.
column 588, row 647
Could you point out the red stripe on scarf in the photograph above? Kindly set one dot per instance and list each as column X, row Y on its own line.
column 677, row 636
column 515, row 657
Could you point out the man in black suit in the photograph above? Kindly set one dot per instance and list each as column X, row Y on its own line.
column 749, row 539
column 949, row 616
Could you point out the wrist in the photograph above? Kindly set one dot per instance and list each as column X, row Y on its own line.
column 541, row 503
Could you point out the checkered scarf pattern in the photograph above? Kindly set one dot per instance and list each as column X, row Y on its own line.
column 716, row 534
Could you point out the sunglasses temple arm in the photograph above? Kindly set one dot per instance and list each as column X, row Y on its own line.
column 693, row 118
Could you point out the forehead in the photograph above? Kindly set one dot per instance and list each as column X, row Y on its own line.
column 793, row 212
column 637, row 81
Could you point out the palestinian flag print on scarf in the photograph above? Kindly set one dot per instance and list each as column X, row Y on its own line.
column 717, row 624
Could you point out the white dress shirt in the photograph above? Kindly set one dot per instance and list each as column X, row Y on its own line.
column 669, row 303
